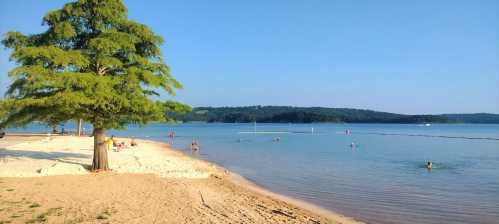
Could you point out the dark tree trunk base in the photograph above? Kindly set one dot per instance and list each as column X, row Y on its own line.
column 100, row 151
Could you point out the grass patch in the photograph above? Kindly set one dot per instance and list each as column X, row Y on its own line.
column 12, row 202
column 109, row 211
column 106, row 214
column 26, row 211
column 10, row 189
column 74, row 221
column 5, row 222
column 102, row 216
column 55, row 211
column 40, row 218
column 43, row 217
column 15, row 216
column 34, row 205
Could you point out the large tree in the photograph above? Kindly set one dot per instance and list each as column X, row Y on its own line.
column 91, row 63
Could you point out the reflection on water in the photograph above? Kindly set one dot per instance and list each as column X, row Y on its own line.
column 381, row 179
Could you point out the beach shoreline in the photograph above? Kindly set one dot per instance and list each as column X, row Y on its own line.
column 240, row 180
column 244, row 182
column 178, row 166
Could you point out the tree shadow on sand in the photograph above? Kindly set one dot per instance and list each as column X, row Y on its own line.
column 62, row 157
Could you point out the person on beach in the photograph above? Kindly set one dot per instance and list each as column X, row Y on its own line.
column 118, row 145
column 122, row 145
column 115, row 142
column 171, row 134
column 133, row 143
column 109, row 143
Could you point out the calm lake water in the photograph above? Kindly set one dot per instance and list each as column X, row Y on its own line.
column 380, row 180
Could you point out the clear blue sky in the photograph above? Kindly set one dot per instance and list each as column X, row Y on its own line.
column 397, row 56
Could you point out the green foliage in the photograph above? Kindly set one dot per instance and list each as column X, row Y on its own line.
column 283, row 114
column 92, row 63
column 480, row 118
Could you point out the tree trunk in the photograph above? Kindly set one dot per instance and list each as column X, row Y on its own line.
column 100, row 151
column 79, row 127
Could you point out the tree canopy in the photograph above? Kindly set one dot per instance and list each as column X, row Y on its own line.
column 91, row 63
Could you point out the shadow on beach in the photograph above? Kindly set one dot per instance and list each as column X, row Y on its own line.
column 40, row 155
column 62, row 157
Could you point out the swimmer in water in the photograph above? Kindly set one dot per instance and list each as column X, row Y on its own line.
column 194, row 146
column 429, row 165
column 352, row 145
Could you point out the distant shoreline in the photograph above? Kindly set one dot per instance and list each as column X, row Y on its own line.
column 328, row 122
column 289, row 114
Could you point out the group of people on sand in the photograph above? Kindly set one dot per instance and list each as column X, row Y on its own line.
column 112, row 143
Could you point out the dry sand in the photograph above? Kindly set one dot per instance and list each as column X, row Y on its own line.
column 61, row 155
column 149, row 184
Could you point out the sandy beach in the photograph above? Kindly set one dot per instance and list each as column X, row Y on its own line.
column 45, row 180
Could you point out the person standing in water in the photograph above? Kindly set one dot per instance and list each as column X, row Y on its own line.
column 429, row 165
column 194, row 146
column 171, row 135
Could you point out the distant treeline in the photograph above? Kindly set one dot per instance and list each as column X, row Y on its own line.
column 286, row 114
